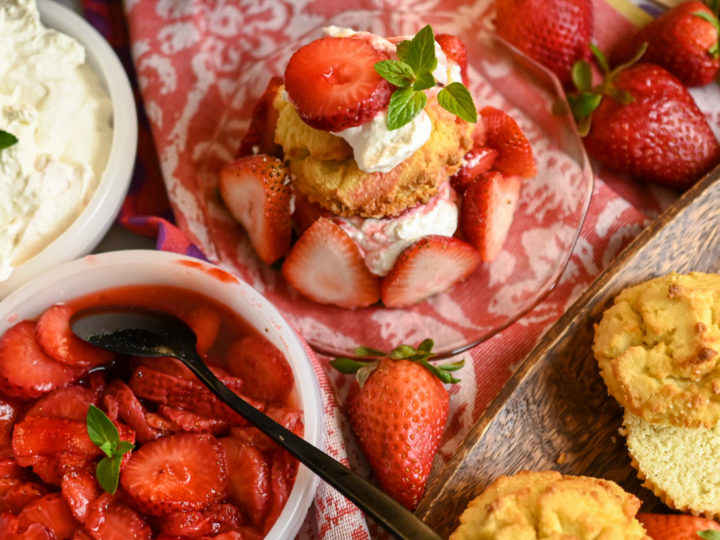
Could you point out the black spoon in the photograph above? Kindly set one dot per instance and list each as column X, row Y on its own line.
column 147, row 333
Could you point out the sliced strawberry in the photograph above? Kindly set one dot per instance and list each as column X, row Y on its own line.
column 180, row 472
column 249, row 480
column 16, row 494
column 455, row 50
column 57, row 340
column 282, row 478
column 41, row 436
column 9, row 468
column 193, row 423
column 215, row 519
column 306, row 213
column 476, row 162
column 69, row 402
column 264, row 370
column 25, row 370
column 8, row 416
column 333, row 83
column 79, row 489
column 50, row 469
column 109, row 518
column 131, row 411
column 287, row 417
column 171, row 366
column 256, row 191
column 487, row 212
column 82, row 534
column 52, row 511
column 205, row 322
column 515, row 156
column 430, row 266
column 9, row 527
column 326, row 266
column 260, row 136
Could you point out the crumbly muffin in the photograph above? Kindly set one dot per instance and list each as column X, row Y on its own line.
column 535, row 505
column 658, row 349
column 679, row 465
column 323, row 167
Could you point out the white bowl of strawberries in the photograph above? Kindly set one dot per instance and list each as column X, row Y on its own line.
column 94, row 445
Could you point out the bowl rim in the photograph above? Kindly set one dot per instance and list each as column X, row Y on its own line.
column 86, row 231
column 120, row 268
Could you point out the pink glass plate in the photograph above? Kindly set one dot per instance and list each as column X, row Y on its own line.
column 546, row 225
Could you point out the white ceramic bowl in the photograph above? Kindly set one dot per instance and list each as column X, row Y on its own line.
column 92, row 224
column 134, row 267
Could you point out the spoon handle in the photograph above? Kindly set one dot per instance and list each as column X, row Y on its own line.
column 394, row 517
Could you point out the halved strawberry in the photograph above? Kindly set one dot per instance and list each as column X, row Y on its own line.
column 264, row 370
column 26, row 371
column 109, row 518
column 69, row 402
column 205, row 322
column 333, row 83
column 16, row 494
column 477, row 161
column 57, row 340
column 249, row 479
column 193, row 423
column 487, row 212
column 326, row 266
column 515, row 156
column 260, row 136
column 455, row 50
column 431, row 265
column 256, row 191
column 52, row 511
column 79, row 489
column 185, row 471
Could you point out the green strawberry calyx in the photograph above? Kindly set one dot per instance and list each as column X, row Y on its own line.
column 709, row 534
column 422, row 354
column 712, row 18
column 587, row 97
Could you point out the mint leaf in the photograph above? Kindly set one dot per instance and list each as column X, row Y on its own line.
column 396, row 73
column 424, row 81
column 401, row 49
column 420, row 55
column 102, row 431
column 124, row 447
column 7, row 139
column 108, row 473
column 405, row 104
column 457, row 99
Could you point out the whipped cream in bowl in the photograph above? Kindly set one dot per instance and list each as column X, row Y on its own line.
column 66, row 98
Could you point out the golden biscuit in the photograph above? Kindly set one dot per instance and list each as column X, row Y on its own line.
column 657, row 349
column 534, row 505
column 323, row 167
column 678, row 464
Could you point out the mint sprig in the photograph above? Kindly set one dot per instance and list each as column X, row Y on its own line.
column 7, row 139
column 412, row 73
column 106, row 436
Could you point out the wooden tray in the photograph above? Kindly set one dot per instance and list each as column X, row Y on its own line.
column 554, row 412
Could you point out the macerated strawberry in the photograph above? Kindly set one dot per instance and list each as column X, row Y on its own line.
column 9, row 468
column 289, row 418
column 69, row 402
column 131, row 411
column 675, row 526
column 50, row 469
column 282, row 476
column 185, row 471
column 194, row 423
column 25, row 370
column 209, row 522
column 455, row 50
column 264, row 370
column 476, row 162
column 487, row 212
column 248, row 480
column 8, row 416
column 430, row 266
column 59, row 343
column 556, row 33
column 514, row 153
column 109, row 518
column 44, row 436
column 82, row 534
column 205, row 322
column 256, row 191
column 52, row 511
column 171, row 366
column 326, row 266
column 10, row 530
column 79, row 489
column 333, row 83
column 17, row 493
column 260, row 136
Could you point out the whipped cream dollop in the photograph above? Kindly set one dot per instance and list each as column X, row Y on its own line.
column 53, row 102
column 382, row 240
column 375, row 147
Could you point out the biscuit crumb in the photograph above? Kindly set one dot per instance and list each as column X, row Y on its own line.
column 561, row 458
column 674, row 290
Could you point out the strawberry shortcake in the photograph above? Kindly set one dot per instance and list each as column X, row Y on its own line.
column 368, row 168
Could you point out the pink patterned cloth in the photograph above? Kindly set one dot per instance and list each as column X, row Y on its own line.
column 188, row 55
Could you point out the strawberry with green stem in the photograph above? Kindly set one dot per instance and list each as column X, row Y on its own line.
column 642, row 121
column 398, row 410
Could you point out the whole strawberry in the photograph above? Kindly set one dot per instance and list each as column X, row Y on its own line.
column 683, row 40
column 642, row 121
column 678, row 526
column 398, row 412
column 555, row 33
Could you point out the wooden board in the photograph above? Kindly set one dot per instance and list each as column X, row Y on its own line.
column 555, row 413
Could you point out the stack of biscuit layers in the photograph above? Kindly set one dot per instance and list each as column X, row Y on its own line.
column 658, row 349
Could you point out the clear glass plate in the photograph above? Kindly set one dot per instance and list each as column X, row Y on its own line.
column 546, row 225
